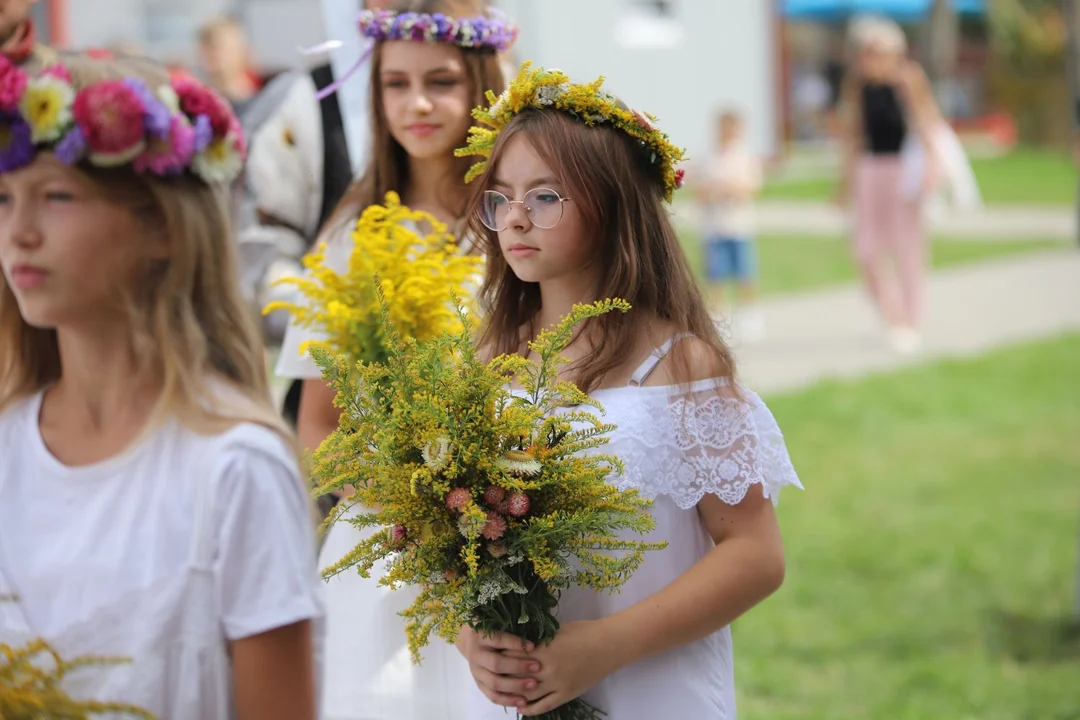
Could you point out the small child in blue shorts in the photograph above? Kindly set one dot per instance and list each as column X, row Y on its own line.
column 726, row 189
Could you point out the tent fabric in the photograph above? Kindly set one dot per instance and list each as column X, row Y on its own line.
column 901, row 10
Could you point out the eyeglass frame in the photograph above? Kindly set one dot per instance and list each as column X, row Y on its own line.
column 510, row 202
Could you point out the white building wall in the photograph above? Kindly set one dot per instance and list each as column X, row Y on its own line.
column 720, row 54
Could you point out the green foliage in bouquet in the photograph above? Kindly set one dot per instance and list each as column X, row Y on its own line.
column 490, row 500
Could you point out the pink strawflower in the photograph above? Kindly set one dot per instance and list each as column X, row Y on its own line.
column 12, row 84
column 518, row 504
column 398, row 535
column 680, row 175
column 458, row 498
column 643, row 121
column 451, row 575
column 494, row 496
column 495, row 527
column 110, row 116
column 498, row 550
column 169, row 156
column 197, row 99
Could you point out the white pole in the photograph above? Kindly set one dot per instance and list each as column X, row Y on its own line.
column 339, row 21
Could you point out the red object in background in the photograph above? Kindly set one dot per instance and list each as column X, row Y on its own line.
column 57, row 12
column 999, row 127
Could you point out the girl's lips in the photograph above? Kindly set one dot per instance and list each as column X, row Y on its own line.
column 25, row 277
column 522, row 250
column 422, row 129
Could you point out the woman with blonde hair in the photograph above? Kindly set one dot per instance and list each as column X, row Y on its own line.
column 889, row 108
column 151, row 502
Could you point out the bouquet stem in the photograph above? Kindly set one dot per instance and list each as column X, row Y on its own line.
column 530, row 616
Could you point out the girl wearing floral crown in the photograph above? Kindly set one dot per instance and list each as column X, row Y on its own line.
column 570, row 209
column 431, row 63
column 151, row 503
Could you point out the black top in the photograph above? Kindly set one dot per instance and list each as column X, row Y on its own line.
column 884, row 125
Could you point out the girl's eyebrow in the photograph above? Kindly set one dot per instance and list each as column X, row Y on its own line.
column 539, row 182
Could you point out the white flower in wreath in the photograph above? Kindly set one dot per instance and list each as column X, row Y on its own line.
column 548, row 94
column 499, row 104
column 220, row 162
column 169, row 98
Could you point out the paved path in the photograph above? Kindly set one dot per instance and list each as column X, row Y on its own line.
column 996, row 222
column 833, row 333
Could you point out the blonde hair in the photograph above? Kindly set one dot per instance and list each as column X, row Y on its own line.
column 877, row 32
column 189, row 322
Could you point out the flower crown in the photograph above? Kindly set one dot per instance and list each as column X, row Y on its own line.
column 162, row 131
column 540, row 88
column 478, row 32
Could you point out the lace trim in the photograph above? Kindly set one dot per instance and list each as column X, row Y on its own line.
column 703, row 444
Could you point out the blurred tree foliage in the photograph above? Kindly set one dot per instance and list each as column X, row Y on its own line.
column 1028, row 75
column 1028, row 36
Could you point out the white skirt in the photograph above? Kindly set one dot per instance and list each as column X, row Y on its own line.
column 369, row 675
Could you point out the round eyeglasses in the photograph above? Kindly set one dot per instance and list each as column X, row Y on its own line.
column 543, row 207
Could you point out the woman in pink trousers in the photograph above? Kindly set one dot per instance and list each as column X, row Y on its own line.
column 890, row 166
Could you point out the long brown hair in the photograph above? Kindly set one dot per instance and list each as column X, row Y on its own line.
column 388, row 166
column 619, row 193
column 188, row 320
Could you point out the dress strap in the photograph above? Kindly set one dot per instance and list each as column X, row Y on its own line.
column 646, row 368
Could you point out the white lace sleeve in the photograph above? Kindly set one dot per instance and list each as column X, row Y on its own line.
column 707, row 442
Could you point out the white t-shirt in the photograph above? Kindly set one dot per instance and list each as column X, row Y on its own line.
column 732, row 219
column 162, row 555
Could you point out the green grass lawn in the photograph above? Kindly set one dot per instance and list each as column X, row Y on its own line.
column 790, row 264
column 1023, row 176
column 931, row 559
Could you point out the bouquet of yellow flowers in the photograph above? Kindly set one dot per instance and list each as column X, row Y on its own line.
column 417, row 273
column 490, row 500
column 31, row 680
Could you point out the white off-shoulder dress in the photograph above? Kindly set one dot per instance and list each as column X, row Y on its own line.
column 678, row 444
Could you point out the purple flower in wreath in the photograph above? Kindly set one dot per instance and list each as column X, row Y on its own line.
column 204, row 133
column 397, row 24
column 16, row 146
column 445, row 26
column 157, row 117
column 72, row 147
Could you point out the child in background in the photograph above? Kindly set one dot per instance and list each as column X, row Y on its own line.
column 726, row 190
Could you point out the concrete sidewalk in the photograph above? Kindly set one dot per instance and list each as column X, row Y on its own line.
column 994, row 222
column 834, row 333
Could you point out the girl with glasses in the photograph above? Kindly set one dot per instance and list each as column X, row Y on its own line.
column 423, row 90
column 570, row 208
